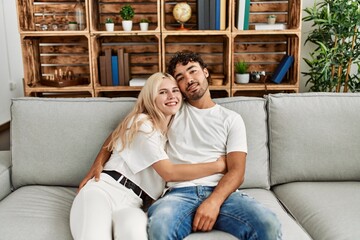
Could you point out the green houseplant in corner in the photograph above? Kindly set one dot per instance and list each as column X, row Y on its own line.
column 127, row 13
column 241, row 74
column 336, row 37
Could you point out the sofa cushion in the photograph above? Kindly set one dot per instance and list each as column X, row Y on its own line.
column 313, row 135
column 55, row 141
column 37, row 212
column 327, row 210
column 5, row 163
column 253, row 112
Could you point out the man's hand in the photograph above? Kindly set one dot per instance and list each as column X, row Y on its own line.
column 206, row 215
column 94, row 171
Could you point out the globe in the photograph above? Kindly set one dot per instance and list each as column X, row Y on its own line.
column 182, row 13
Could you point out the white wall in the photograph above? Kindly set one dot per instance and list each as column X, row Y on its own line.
column 11, row 68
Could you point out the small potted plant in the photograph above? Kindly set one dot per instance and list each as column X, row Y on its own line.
column 73, row 26
column 242, row 76
column 109, row 24
column 127, row 13
column 144, row 24
column 271, row 19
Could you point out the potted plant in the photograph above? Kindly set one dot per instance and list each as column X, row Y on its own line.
column 271, row 19
column 73, row 26
column 109, row 24
column 242, row 76
column 336, row 38
column 144, row 24
column 127, row 13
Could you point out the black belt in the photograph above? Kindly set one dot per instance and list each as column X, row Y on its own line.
column 128, row 184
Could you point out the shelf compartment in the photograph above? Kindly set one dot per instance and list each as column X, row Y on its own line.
column 102, row 9
column 264, row 53
column 212, row 49
column 34, row 13
column 142, row 52
column 55, row 58
column 287, row 12
column 170, row 24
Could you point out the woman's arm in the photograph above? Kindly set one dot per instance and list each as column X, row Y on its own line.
column 98, row 165
column 171, row 172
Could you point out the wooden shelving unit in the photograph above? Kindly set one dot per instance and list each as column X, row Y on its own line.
column 78, row 51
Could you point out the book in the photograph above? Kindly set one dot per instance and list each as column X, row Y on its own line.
column 247, row 14
column 115, row 70
column 126, row 69
column 137, row 82
column 240, row 14
column 217, row 14
column 108, row 67
column 212, row 15
column 222, row 14
column 283, row 67
column 102, row 72
column 266, row 26
column 200, row 14
column 120, row 55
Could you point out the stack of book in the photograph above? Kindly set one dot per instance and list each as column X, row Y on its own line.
column 114, row 69
column 211, row 14
column 242, row 14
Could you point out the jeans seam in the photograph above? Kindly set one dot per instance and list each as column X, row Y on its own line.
column 242, row 221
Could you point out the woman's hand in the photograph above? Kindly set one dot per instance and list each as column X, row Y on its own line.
column 221, row 161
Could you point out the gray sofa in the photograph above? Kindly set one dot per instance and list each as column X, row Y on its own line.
column 303, row 162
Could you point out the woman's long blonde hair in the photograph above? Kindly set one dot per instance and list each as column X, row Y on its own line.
column 144, row 104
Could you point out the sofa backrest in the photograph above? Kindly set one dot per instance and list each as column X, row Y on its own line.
column 253, row 112
column 314, row 137
column 55, row 141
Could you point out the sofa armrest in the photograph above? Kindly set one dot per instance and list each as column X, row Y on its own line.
column 5, row 165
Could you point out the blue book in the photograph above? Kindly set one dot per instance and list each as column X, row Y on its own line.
column 203, row 8
column 115, row 70
column 217, row 14
column 282, row 68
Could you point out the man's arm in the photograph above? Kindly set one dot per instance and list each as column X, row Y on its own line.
column 208, row 211
column 97, row 167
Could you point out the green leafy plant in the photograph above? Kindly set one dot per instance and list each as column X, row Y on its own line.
column 144, row 20
column 127, row 12
column 336, row 37
column 241, row 67
column 109, row 20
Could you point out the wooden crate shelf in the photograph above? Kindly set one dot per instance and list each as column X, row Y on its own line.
column 150, row 51
column 102, row 9
column 33, row 14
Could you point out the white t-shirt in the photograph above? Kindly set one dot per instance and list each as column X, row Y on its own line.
column 202, row 135
column 135, row 161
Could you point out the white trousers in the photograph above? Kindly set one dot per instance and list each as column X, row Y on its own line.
column 107, row 210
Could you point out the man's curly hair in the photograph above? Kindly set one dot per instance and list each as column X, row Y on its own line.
column 184, row 58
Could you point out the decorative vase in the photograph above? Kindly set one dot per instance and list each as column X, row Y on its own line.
column 127, row 25
column 109, row 27
column 242, row 78
column 144, row 26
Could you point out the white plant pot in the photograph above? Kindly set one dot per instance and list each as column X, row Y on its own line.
column 242, row 78
column 73, row 26
column 127, row 25
column 144, row 26
column 271, row 20
column 109, row 27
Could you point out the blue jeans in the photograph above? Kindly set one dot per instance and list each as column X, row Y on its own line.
column 171, row 216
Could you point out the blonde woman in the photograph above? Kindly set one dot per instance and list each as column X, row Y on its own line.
column 110, row 207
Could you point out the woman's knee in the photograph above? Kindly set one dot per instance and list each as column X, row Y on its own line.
column 130, row 223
